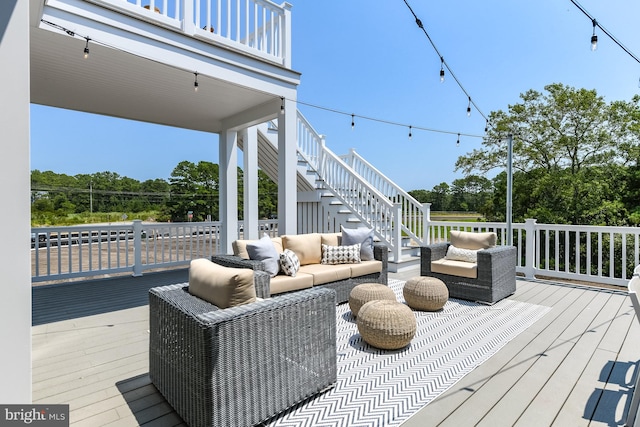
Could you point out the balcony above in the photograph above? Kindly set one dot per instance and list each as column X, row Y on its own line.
column 144, row 61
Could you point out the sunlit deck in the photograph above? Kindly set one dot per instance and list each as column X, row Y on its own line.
column 573, row 367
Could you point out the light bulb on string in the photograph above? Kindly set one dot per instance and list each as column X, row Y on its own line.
column 410, row 134
column 441, row 69
column 458, row 141
column 86, row 48
column 282, row 105
column 594, row 38
column 353, row 123
column 469, row 108
column 195, row 82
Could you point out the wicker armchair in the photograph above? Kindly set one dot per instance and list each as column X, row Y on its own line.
column 496, row 273
column 242, row 365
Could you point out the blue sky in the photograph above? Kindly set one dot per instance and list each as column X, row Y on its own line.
column 370, row 59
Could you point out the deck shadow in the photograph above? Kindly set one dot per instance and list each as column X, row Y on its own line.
column 65, row 301
column 147, row 405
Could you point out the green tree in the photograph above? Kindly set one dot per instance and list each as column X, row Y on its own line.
column 567, row 154
column 441, row 195
column 194, row 188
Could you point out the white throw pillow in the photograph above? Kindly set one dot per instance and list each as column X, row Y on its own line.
column 289, row 262
column 362, row 235
column 264, row 250
column 460, row 254
column 340, row 254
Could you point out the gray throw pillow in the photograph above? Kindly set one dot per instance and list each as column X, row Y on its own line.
column 264, row 250
column 362, row 235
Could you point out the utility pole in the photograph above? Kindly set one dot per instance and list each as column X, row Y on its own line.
column 91, row 196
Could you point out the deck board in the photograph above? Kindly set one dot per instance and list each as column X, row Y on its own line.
column 574, row 366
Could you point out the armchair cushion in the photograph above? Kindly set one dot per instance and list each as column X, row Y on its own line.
column 223, row 287
column 455, row 268
column 469, row 240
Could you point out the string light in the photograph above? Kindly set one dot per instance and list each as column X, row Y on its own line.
column 441, row 69
column 282, row 108
column 469, row 108
column 458, row 141
column 353, row 123
column 594, row 38
column 86, row 48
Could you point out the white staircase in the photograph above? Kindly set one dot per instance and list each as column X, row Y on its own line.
column 347, row 190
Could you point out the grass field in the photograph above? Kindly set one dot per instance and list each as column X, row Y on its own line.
column 456, row 216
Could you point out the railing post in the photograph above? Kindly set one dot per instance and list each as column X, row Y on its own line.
column 188, row 17
column 426, row 224
column 320, row 166
column 397, row 232
column 137, row 248
column 286, row 36
column 530, row 247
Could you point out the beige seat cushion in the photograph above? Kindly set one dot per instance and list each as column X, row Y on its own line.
column 283, row 283
column 455, row 268
column 468, row 240
column 365, row 267
column 306, row 246
column 324, row 273
column 223, row 287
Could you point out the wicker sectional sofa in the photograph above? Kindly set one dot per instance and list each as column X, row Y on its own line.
column 312, row 273
column 242, row 365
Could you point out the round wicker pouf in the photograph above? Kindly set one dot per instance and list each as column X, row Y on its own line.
column 365, row 292
column 425, row 293
column 385, row 324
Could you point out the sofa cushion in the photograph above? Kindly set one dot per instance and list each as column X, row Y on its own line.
column 366, row 267
column 289, row 262
column 264, row 250
column 362, row 235
column 331, row 239
column 455, row 268
column 223, row 287
column 306, row 246
column 282, row 283
column 461, row 254
column 468, row 240
column 324, row 273
column 333, row 255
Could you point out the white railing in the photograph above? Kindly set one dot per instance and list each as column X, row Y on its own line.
column 259, row 27
column 97, row 249
column 603, row 254
column 415, row 215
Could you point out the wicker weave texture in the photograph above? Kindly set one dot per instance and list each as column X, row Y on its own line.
column 242, row 365
column 496, row 273
column 425, row 293
column 341, row 287
column 365, row 292
column 389, row 325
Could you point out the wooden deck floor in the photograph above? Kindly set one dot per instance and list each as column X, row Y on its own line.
column 573, row 367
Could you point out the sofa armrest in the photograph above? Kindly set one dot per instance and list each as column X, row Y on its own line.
column 263, row 285
column 431, row 253
column 277, row 352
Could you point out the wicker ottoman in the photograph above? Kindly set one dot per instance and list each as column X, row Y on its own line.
column 425, row 293
column 385, row 324
column 365, row 292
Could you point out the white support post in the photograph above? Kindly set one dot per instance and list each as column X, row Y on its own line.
column 228, row 158
column 250, row 163
column 426, row 224
column 530, row 247
column 15, row 255
column 397, row 232
column 287, row 169
column 509, row 213
column 137, row 248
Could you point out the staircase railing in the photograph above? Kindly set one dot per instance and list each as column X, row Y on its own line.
column 415, row 215
column 367, row 204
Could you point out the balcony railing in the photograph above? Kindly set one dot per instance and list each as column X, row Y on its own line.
column 258, row 27
column 604, row 255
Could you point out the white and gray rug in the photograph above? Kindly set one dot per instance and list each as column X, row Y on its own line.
column 384, row 388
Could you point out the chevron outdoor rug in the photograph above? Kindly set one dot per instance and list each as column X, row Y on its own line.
column 384, row 388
